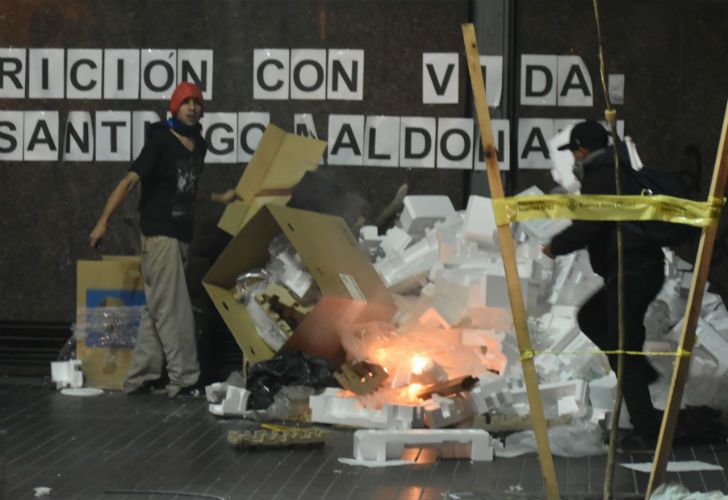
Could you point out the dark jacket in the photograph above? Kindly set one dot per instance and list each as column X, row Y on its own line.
column 599, row 238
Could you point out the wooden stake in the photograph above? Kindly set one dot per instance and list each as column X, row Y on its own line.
column 690, row 321
column 507, row 248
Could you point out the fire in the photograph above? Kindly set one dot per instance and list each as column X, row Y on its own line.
column 419, row 363
column 413, row 390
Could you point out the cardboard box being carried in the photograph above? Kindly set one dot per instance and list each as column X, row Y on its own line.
column 351, row 287
column 115, row 282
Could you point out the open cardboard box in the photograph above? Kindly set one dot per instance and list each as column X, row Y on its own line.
column 280, row 161
column 114, row 281
column 332, row 255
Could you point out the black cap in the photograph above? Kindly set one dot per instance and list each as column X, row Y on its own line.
column 587, row 134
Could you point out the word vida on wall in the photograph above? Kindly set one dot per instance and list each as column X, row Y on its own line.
column 278, row 74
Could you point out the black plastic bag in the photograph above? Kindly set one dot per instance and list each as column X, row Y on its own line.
column 266, row 378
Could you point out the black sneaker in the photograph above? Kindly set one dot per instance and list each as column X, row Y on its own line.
column 191, row 391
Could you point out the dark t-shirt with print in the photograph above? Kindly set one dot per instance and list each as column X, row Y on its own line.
column 169, row 173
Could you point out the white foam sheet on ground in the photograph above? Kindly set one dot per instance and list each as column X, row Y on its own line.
column 82, row 391
column 375, row 463
column 685, row 466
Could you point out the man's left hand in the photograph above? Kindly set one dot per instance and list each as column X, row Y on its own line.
column 227, row 197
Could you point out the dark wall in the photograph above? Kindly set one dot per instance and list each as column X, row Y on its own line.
column 49, row 208
column 671, row 53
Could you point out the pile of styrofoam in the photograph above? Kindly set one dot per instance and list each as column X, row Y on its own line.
column 454, row 310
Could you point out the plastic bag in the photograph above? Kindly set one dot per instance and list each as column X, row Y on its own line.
column 577, row 439
column 289, row 403
column 266, row 378
column 680, row 492
column 108, row 326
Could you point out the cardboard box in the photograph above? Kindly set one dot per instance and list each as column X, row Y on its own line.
column 280, row 161
column 329, row 251
column 114, row 282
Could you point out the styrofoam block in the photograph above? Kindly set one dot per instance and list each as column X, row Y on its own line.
column 369, row 235
column 380, row 446
column 216, row 392
column 601, row 392
column 395, row 241
column 422, row 211
column 412, row 264
column 711, row 301
column 332, row 408
column 479, row 222
column 542, row 230
column 551, row 393
column 491, row 395
column 714, row 344
column 235, row 402
column 568, row 406
column 67, row 373
column 482, row 337
column 432, row 318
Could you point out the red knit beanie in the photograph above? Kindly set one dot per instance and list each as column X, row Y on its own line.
column 185, row 90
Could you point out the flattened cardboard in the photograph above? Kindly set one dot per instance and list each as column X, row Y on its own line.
column 114, row 281
column 279, row 162
column 327, row 248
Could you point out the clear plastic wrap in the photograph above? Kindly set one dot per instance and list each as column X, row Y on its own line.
column 246, row 287
column 107, row 326
column 286, row 267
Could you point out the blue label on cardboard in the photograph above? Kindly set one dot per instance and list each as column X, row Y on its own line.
column 99, row 297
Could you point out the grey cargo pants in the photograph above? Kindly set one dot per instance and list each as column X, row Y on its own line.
column 167, row 327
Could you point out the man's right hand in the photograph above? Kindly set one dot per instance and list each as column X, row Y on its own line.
column 546, row 250
column 98, row 234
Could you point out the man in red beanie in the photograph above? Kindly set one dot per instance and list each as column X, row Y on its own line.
column 168, row 168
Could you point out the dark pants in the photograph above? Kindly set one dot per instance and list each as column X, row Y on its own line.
column 598, row 320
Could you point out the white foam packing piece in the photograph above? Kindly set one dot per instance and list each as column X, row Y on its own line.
column 332, row 408
column 552, row 393
column 67, row 373
column 294, row 277
column 601, row 392
column 380, row 446
column 413, row 263
column 395, row 241
column 542, row 230
column 369, row 236
column 235, row 402
column 422, row 211
column 491, row 395
column 714, row 344
column 216, row 392
column 479, row 224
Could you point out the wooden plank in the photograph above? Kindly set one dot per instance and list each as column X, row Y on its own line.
column 507, row 248
column 692, row 313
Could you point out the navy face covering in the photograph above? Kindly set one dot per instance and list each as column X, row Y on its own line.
column 183, row 129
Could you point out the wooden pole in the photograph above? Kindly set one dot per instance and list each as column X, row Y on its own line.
column 508, row 252
column 690, row 321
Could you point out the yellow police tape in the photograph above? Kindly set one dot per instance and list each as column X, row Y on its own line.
column 606, row 207
column 679, row 353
